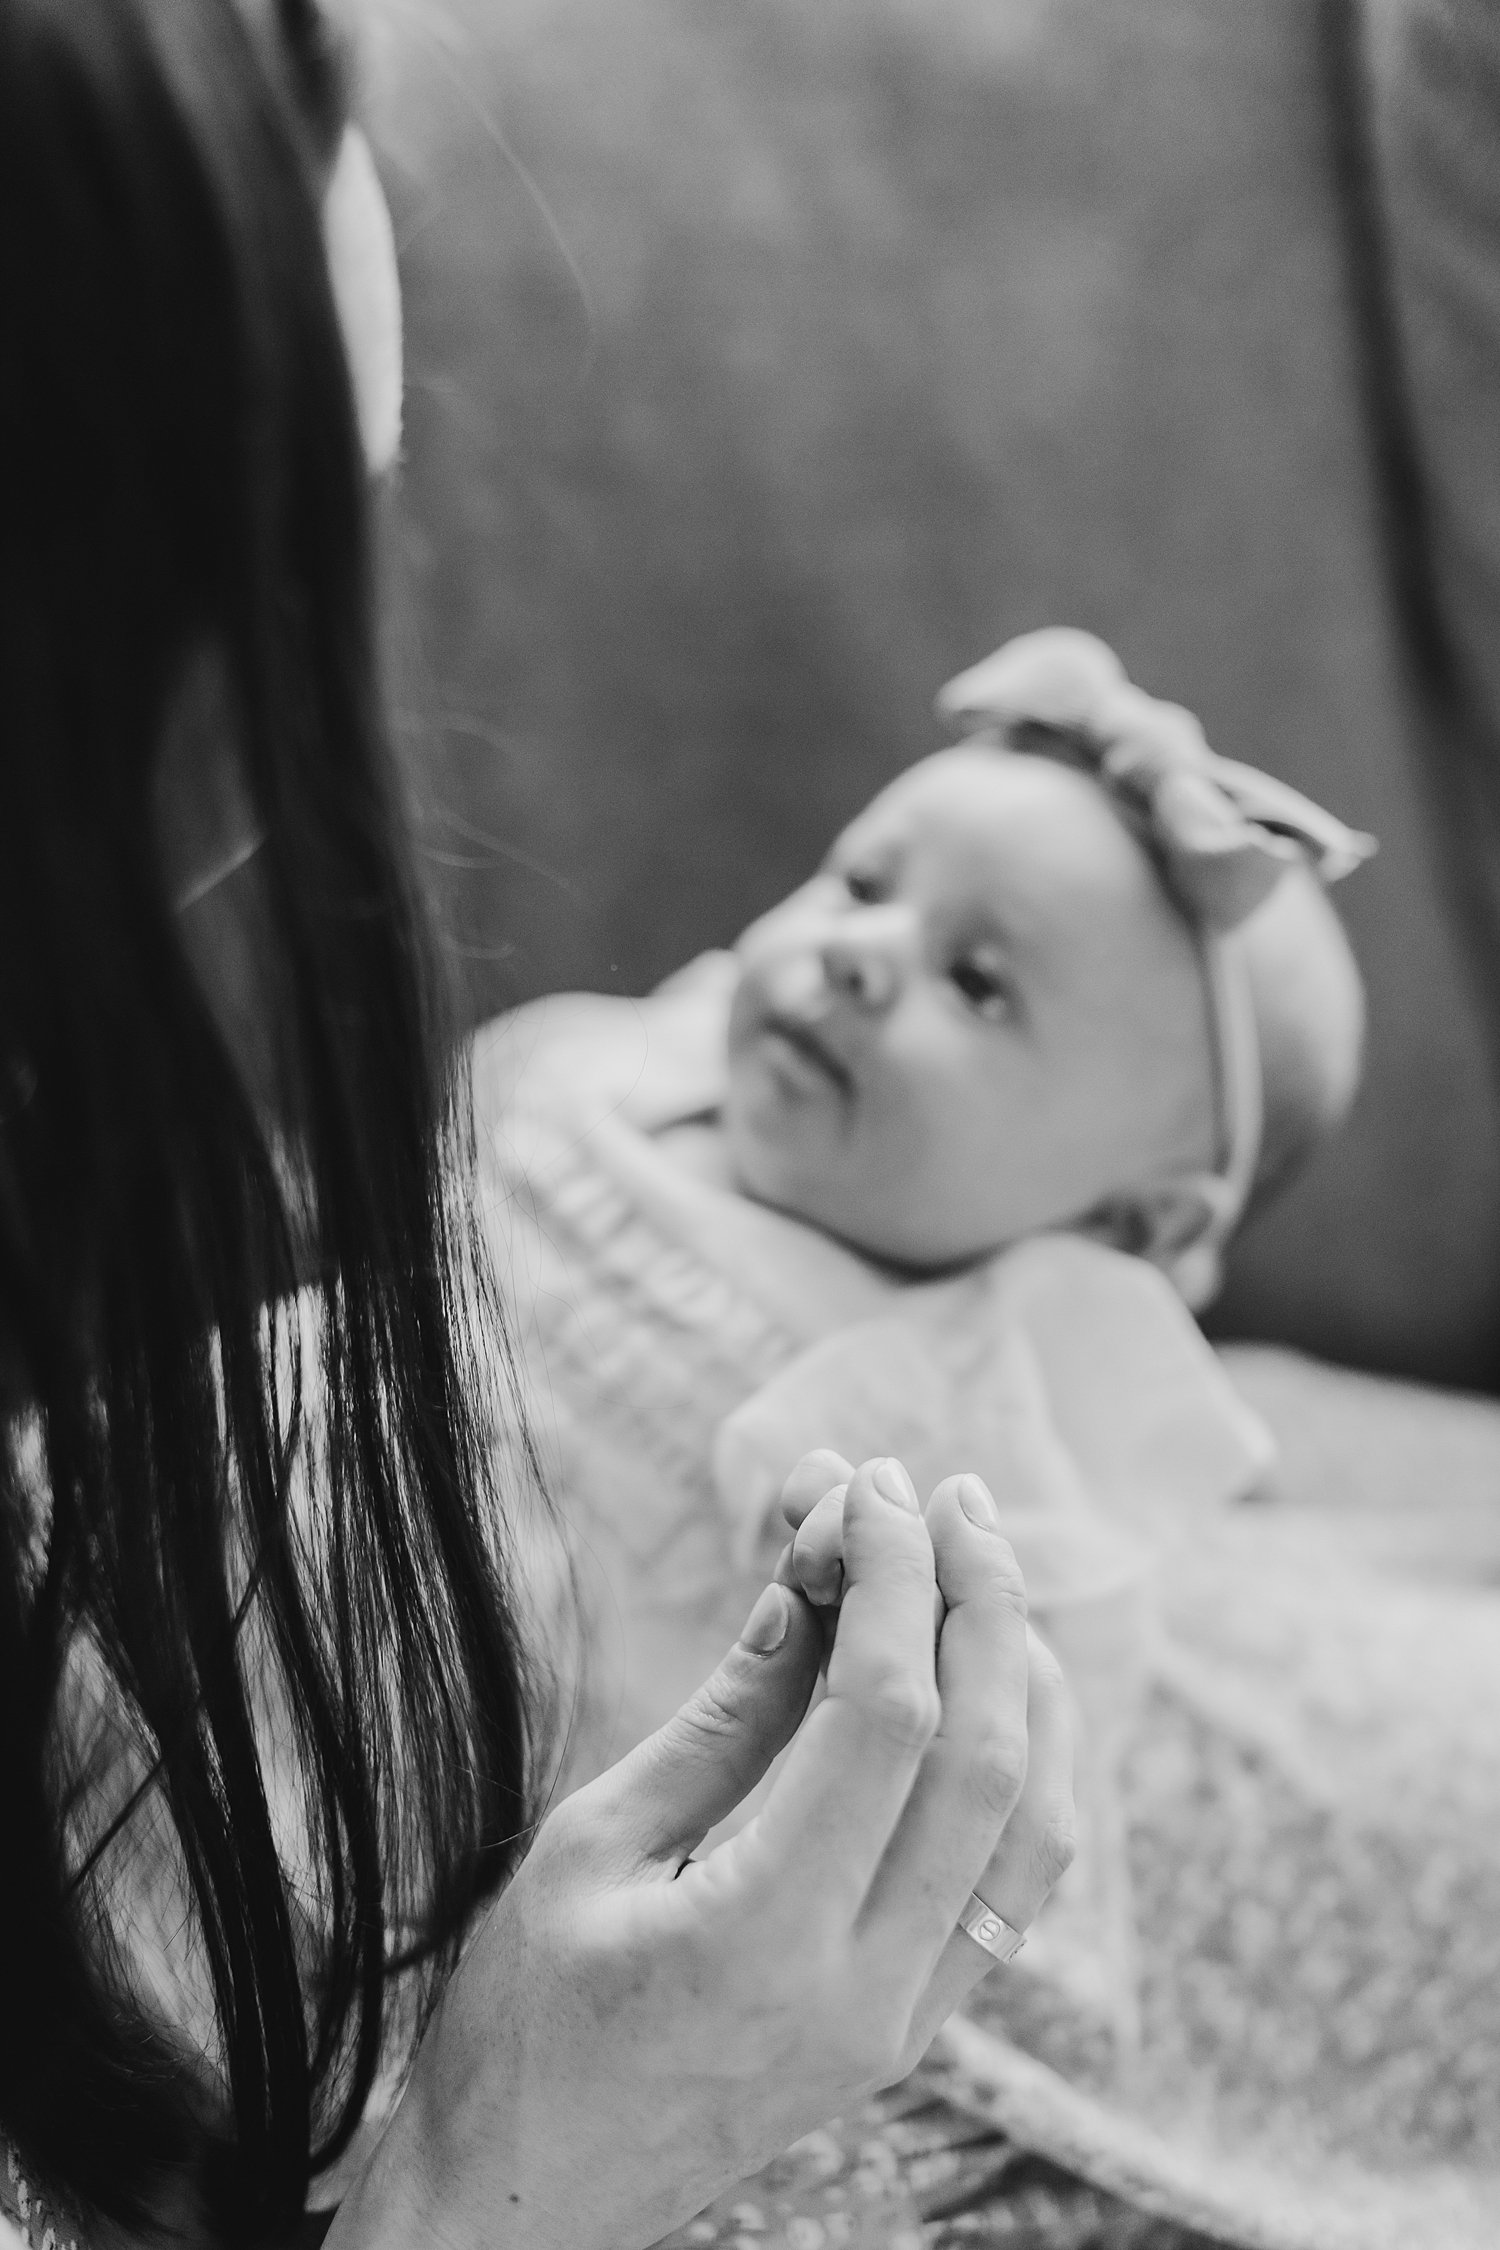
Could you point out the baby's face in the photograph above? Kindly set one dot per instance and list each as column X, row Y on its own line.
column 981, row 1017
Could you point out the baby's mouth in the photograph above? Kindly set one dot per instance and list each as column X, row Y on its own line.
column 802, row 1038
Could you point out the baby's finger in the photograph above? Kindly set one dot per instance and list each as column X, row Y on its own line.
column 816, row 1473
column 817, row 1554
column 1034, row 1852
column 818, row 1550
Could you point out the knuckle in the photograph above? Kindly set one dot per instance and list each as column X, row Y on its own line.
column 997, row 1769
column 1057, row 1847
column 908, row 1572
column 903, row 1710
column 709, row 1716
column 870, row 2053
column 1007, row 1585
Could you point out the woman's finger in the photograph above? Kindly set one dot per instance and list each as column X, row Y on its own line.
column 816, row 1473
column 693, row 1772
column 975, row 1771
column 1036, row 1846
column 845, row 1780
column 1034, row 1852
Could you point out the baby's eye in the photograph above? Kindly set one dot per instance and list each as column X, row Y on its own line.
column 863, row 887
column 982, row 980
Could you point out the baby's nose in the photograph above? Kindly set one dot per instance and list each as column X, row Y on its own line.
column 864, row 967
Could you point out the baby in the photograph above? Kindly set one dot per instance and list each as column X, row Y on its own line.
column 1009, row 1000
column 930, row 1165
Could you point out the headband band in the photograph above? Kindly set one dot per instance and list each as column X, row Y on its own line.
column 1196, row 1267
column 1222, row 834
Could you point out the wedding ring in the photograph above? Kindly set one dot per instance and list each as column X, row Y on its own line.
column 988, row 1929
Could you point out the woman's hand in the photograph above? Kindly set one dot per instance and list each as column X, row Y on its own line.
column 1036, row 1845
column 632, row 2031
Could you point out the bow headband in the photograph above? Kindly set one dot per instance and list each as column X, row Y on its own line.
column 1222, row 834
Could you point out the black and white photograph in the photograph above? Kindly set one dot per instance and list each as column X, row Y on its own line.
column 749, row 1125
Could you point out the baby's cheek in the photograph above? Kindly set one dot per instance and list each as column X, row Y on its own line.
column 935, row 1159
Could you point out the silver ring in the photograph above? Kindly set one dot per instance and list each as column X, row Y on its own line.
column 987, row 1928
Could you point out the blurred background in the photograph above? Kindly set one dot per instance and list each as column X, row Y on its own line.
column 770, row 361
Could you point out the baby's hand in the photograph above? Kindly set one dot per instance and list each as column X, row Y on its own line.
column 812, row 1500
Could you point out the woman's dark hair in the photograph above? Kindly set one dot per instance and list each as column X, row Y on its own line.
column 309, row 1682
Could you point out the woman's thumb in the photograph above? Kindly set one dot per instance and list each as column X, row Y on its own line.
column 691, row 1774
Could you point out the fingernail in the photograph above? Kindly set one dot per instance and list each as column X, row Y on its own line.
column 766, row 1627
column 893, row 1484
column 974, row 1499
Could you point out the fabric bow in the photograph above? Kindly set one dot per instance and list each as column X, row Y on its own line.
column 1225, row 834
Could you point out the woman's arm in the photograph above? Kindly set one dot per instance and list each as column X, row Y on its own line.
column 633, row 2030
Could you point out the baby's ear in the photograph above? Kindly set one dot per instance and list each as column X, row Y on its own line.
column 1159, row 1223
column 1180, row 1227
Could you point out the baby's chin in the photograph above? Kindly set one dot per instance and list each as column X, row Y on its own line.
column 888, row 1231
